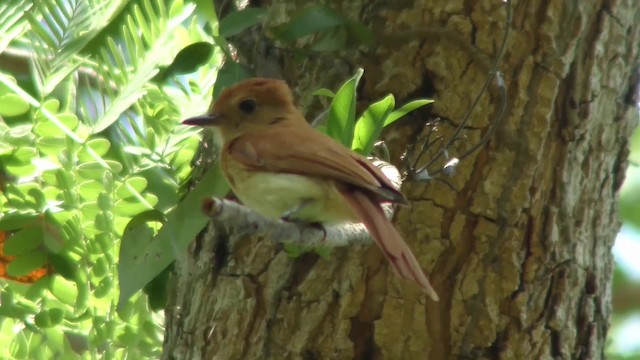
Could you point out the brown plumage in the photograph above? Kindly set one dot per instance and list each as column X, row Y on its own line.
column 278, row 165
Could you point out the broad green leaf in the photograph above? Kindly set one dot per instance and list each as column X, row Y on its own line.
column 238, row 21
column 65, row 266
column 342, row 113
column 104, row 287
column 19, row 135
column 99, row 146
column 90, row 189
column 137, row 183
column 51, row 145
column 49, row 318
column 64, row 290
column 12, row 105
column 188, row 60
column 131, row 208
column 89, row 210
column 95, row 170
column 26, row 170
column 105, row 202
column 24, row 241
column 370, row 124
column 104, row 222
column 100, row 268
column 23, row 155
column 314, row 19
column 16, row 221
column 143, row 257
column 26, row 263
column 51, row 105
column 405, row 109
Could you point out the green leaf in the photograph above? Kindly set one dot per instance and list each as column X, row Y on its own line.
column 405, row 109
column 142, row 257
column 26, row 263
column 64, row 265
column 230, row 74
column 238, row 21
column 370, row 124
column 48, row 129
column 49, row 318
column 188, row 60
column 95, row 170
column 90, row 189
column 64, row 290
column 157, row 290
column 19, row 135
column 51, row 145
column 324, row 92
column 24, row 241
column 342, row 113
column 132, row 207
column 23, row 155
column 51, row 105
column 12, row 105
column 16, row 221
column 311, row 20
column 99, row 146
column 137, row 183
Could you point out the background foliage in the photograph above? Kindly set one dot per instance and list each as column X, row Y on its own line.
column 89, row 103
column 93, row 166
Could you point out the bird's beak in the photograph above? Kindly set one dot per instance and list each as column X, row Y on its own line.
column 203, row 120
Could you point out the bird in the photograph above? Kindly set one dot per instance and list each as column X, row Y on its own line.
column 279, row 166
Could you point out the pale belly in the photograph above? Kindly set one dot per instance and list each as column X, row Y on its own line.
column 274, row 195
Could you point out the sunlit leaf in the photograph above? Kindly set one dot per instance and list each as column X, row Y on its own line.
column 64, row 290
column 12, row 105
column 341, row 119
column 405, row 109
column 370, row 124
column 146, row 257
column 26, row 263
column 24, row 241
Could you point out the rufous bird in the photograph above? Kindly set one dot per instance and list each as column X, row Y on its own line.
column 281, row 167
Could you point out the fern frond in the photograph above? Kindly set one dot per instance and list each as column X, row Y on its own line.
column 132, row 60
column 59, row 30
column 12, row 20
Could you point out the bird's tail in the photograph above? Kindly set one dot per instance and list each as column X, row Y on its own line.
column 393, row 247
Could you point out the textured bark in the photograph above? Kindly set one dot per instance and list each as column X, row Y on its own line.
column 520, row 254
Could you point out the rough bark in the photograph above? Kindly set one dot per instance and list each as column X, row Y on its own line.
column 520, row 253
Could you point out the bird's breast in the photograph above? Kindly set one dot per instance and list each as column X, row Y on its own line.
column 299, row 197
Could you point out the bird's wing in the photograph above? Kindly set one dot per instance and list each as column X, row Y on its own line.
column 299, row 149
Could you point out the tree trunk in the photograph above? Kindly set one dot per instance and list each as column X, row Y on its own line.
column 520, row 253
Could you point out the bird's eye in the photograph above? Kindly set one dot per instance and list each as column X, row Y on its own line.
column 248, row 106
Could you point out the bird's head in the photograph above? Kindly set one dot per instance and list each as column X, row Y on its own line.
column 249, row 105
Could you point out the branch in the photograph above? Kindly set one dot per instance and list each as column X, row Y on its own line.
column 243, row 220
